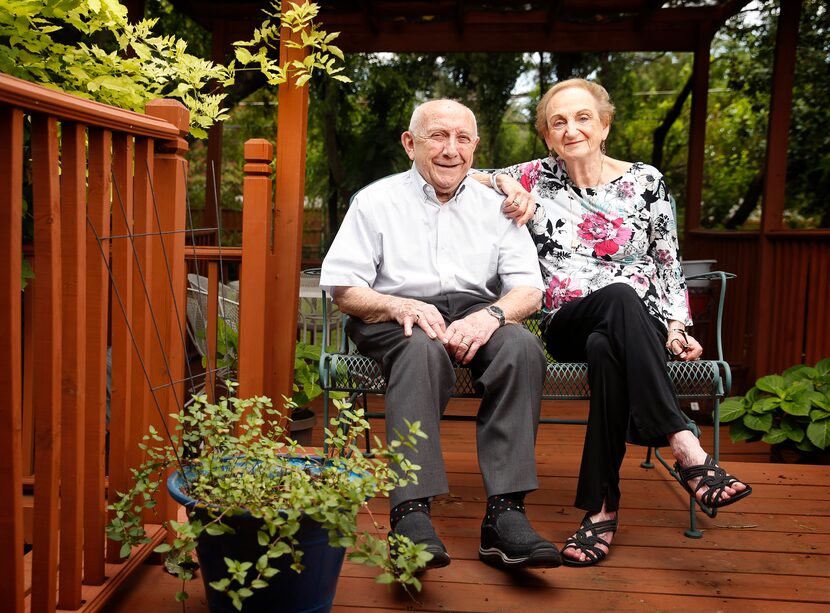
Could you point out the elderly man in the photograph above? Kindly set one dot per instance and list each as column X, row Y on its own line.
column 432, row 274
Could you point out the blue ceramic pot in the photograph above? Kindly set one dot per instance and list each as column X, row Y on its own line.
column 309, row 591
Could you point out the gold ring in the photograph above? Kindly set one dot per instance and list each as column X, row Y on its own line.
column 417, row 316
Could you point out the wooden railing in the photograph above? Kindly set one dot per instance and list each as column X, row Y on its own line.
column 256, row 258
column 771, row 325
column 108, row 209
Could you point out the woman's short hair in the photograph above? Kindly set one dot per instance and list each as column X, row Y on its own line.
column 603, row 100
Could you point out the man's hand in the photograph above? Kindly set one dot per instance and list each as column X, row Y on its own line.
column 464, row 337
column 409, row 312
column 519, row 204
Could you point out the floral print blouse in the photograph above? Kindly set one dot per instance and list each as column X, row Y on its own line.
column 620, row 232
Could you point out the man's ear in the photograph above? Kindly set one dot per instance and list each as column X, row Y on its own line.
column 408, row 142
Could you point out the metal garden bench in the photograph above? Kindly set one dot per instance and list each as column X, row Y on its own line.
column 345, row 370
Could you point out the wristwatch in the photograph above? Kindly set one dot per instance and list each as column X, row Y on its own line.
column 497, row 313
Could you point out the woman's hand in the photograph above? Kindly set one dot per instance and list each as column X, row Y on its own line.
column 683, row 346
column 519, row 204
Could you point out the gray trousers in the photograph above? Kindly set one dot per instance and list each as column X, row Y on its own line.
column 508, row 372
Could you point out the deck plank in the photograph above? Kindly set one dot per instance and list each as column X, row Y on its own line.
column 770, row 553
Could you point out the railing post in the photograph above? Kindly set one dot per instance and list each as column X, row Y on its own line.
column 257, row 224
column 73, row 403
column 97, row 280
column 11, row 487
column 48, row 354
column 170, row 174
column 121, row 303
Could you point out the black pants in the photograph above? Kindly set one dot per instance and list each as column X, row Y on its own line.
column 632, row 396
column 508, row 372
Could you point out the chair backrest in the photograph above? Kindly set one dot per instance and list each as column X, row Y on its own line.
column 197, row 313
column 226, row 291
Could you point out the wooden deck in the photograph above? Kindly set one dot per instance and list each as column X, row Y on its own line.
column 769, row 553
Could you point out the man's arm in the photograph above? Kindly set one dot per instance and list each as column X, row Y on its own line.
column 373, row 307
column 464, row 337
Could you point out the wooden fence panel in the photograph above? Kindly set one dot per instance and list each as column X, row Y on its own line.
column 11, row 463
column 817, row 343
column 797, row 295
column 47, row 360
column 59, row 406
column 73, row 402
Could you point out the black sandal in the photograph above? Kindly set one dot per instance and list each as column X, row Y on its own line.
column 587, row 543
column 713, row 477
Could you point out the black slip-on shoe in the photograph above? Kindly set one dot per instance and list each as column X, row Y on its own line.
column 513, row 543
column 417, row 527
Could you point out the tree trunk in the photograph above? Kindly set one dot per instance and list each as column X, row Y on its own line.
column 750, row 201
column 660, row 133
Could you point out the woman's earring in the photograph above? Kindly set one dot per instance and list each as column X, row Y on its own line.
column 602, row 147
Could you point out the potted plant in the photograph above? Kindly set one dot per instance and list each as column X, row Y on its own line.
column 790, row 411
column 280, row 519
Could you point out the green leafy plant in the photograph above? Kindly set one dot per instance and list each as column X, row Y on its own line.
column 306, row 363
column 791, row 409
column 90, row 49
column 216, row 446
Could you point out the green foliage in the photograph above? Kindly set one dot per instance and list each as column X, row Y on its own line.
column 792, row 409
column 485, row 82
column 90, row 49
column 323, row 55
column 306, row 373
column 306, row 363
column 26, row 273
column 237, row 461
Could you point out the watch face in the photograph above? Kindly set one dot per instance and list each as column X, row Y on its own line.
column 497, row 313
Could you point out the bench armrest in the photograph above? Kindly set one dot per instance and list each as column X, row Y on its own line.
column 722, row 277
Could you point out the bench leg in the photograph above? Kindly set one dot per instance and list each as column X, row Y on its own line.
column 693, row 532
column 647, row 463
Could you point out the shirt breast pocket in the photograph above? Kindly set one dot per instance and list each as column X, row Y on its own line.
column 477, row 268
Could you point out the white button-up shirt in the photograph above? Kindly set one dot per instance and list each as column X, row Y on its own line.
column 398, row 239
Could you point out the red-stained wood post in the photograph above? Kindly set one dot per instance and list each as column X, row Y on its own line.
column 254, row 275
column 73, row 403
column 11, row 465
column 697, row 132
column 121, row 299
column 292, row 123
column 170, row 173
column 143, row 325
column 47, row 356
column 97, row 280
column 775, row 176
column 211, row 331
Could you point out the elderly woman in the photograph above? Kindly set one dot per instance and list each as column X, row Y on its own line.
column 616, row 298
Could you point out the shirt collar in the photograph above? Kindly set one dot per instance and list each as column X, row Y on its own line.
column 428, row 190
